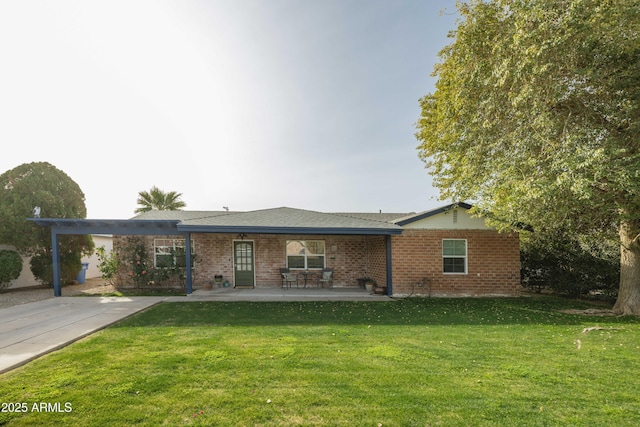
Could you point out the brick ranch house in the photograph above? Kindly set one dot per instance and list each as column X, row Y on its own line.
column 441, row 252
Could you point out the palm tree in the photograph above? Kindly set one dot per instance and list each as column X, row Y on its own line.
column 156, row 199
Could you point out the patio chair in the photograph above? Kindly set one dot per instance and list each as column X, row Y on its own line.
column 327, row 277
column 288, row 278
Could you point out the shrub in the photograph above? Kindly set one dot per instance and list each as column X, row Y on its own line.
column 134, row 265
column 42, row 267
column 135, row 257
column 570, row 265
column 109, row 264
column 10, row 267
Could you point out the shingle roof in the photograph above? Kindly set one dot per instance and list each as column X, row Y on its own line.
column 287, row 220
column 179, row 215
column 277, row 220
column 282, row 220
column 382, row 216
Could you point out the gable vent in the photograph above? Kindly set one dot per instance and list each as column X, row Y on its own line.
column 455, row 216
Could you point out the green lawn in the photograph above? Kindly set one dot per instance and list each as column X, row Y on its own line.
column 467, row 362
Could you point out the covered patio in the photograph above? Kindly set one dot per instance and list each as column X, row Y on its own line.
column 250, row 246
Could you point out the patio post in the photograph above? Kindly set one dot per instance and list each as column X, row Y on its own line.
column 187, row 251
column 389, row 267
column 57, row 290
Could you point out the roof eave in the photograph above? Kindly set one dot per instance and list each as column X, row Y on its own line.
column 132, row 226
column 424, row 215
column 111, row 226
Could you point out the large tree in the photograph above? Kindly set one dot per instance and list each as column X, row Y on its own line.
column 156, row 199
column 57, row 196
column 536, row 119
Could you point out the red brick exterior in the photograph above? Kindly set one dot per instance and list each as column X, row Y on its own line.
column 493, row 260
column 377, row 259
column 493, row 263
column 345, row 254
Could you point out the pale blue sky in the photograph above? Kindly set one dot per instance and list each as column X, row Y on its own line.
column 249, row 104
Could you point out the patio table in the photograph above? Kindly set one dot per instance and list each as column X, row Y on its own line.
column 307, row 275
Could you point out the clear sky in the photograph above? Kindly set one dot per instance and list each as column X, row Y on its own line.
column 250, row 104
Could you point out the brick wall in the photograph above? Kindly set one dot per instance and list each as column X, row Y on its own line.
column 347, row 255
column 493, row 260
column 493, row 263
column 377, row 259
column 214, row 256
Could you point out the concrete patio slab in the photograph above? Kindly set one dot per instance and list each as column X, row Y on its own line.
column 282, row 294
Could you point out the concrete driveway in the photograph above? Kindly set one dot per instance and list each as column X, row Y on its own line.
column 30, row 330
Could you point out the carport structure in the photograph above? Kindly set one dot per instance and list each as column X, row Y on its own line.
column 62, row 226
column 269, row 226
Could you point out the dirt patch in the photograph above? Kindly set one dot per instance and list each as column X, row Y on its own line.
column 91, row 286
column 10, row 297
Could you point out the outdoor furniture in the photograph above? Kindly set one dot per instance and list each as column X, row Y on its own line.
column 309, row 276
column 288, row 278
column 327, row 277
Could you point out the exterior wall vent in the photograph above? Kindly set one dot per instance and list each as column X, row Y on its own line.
column 455, row 216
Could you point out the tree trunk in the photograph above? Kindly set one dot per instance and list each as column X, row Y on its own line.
column 628, row 302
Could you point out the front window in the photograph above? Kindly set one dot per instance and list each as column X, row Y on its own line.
column 305, row 254
column 454, row 256
column 170, row 253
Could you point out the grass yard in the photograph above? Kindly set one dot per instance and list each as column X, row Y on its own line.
column 415, row 362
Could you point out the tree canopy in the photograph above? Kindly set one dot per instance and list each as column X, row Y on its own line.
column 536, row 118
column 156, row 199
column 58, row 196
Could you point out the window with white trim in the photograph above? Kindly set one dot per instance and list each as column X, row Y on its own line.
column 170, row 253
column 305, row 254
column 454, row 256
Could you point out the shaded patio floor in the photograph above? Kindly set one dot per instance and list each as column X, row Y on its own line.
column 281, row 294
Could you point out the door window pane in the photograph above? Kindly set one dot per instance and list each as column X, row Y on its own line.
column 244, row 257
